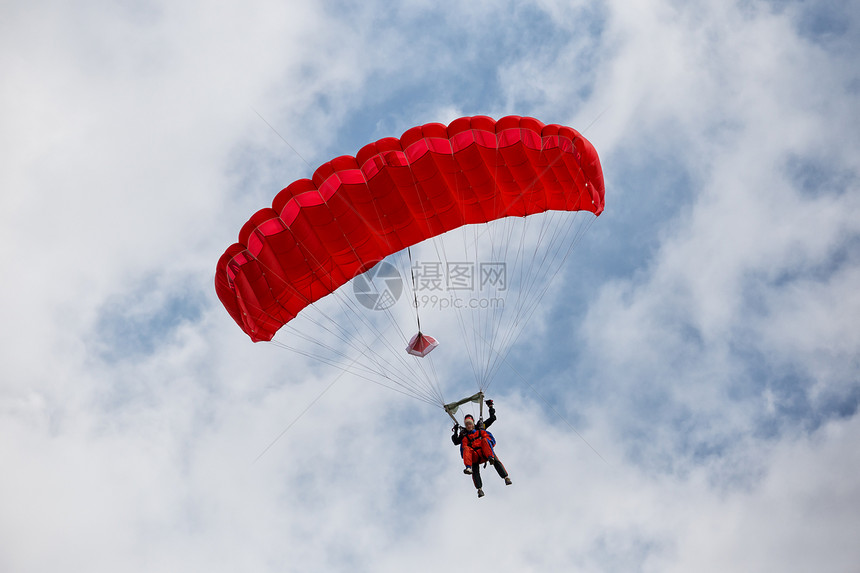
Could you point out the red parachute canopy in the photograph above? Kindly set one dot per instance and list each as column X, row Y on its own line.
column 355, row 211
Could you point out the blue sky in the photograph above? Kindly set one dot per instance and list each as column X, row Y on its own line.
column 702, row 339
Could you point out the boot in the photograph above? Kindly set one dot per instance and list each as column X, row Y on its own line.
column 508, row 481
column 480, row 493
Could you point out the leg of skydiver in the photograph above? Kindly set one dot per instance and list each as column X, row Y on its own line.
column 476, row 478
column 469, row 458
column 486, row 450
column 500, row 469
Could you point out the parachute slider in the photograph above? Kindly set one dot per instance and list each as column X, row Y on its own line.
column 421, row 345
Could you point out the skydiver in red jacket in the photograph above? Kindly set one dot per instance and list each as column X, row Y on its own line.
column 476, row 447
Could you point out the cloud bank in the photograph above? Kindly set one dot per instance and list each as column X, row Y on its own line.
column 710, row 354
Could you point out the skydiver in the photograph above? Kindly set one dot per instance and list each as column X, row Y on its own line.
column 476, row 447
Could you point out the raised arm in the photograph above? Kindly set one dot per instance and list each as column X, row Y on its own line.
column 492, row 417
column 457, row 436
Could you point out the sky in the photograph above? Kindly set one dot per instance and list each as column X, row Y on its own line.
column 685, row 400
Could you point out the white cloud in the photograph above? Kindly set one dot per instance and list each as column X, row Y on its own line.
column 716, row 364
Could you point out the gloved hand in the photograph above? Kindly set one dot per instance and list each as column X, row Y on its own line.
column 456, row 428
column 489, row 403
